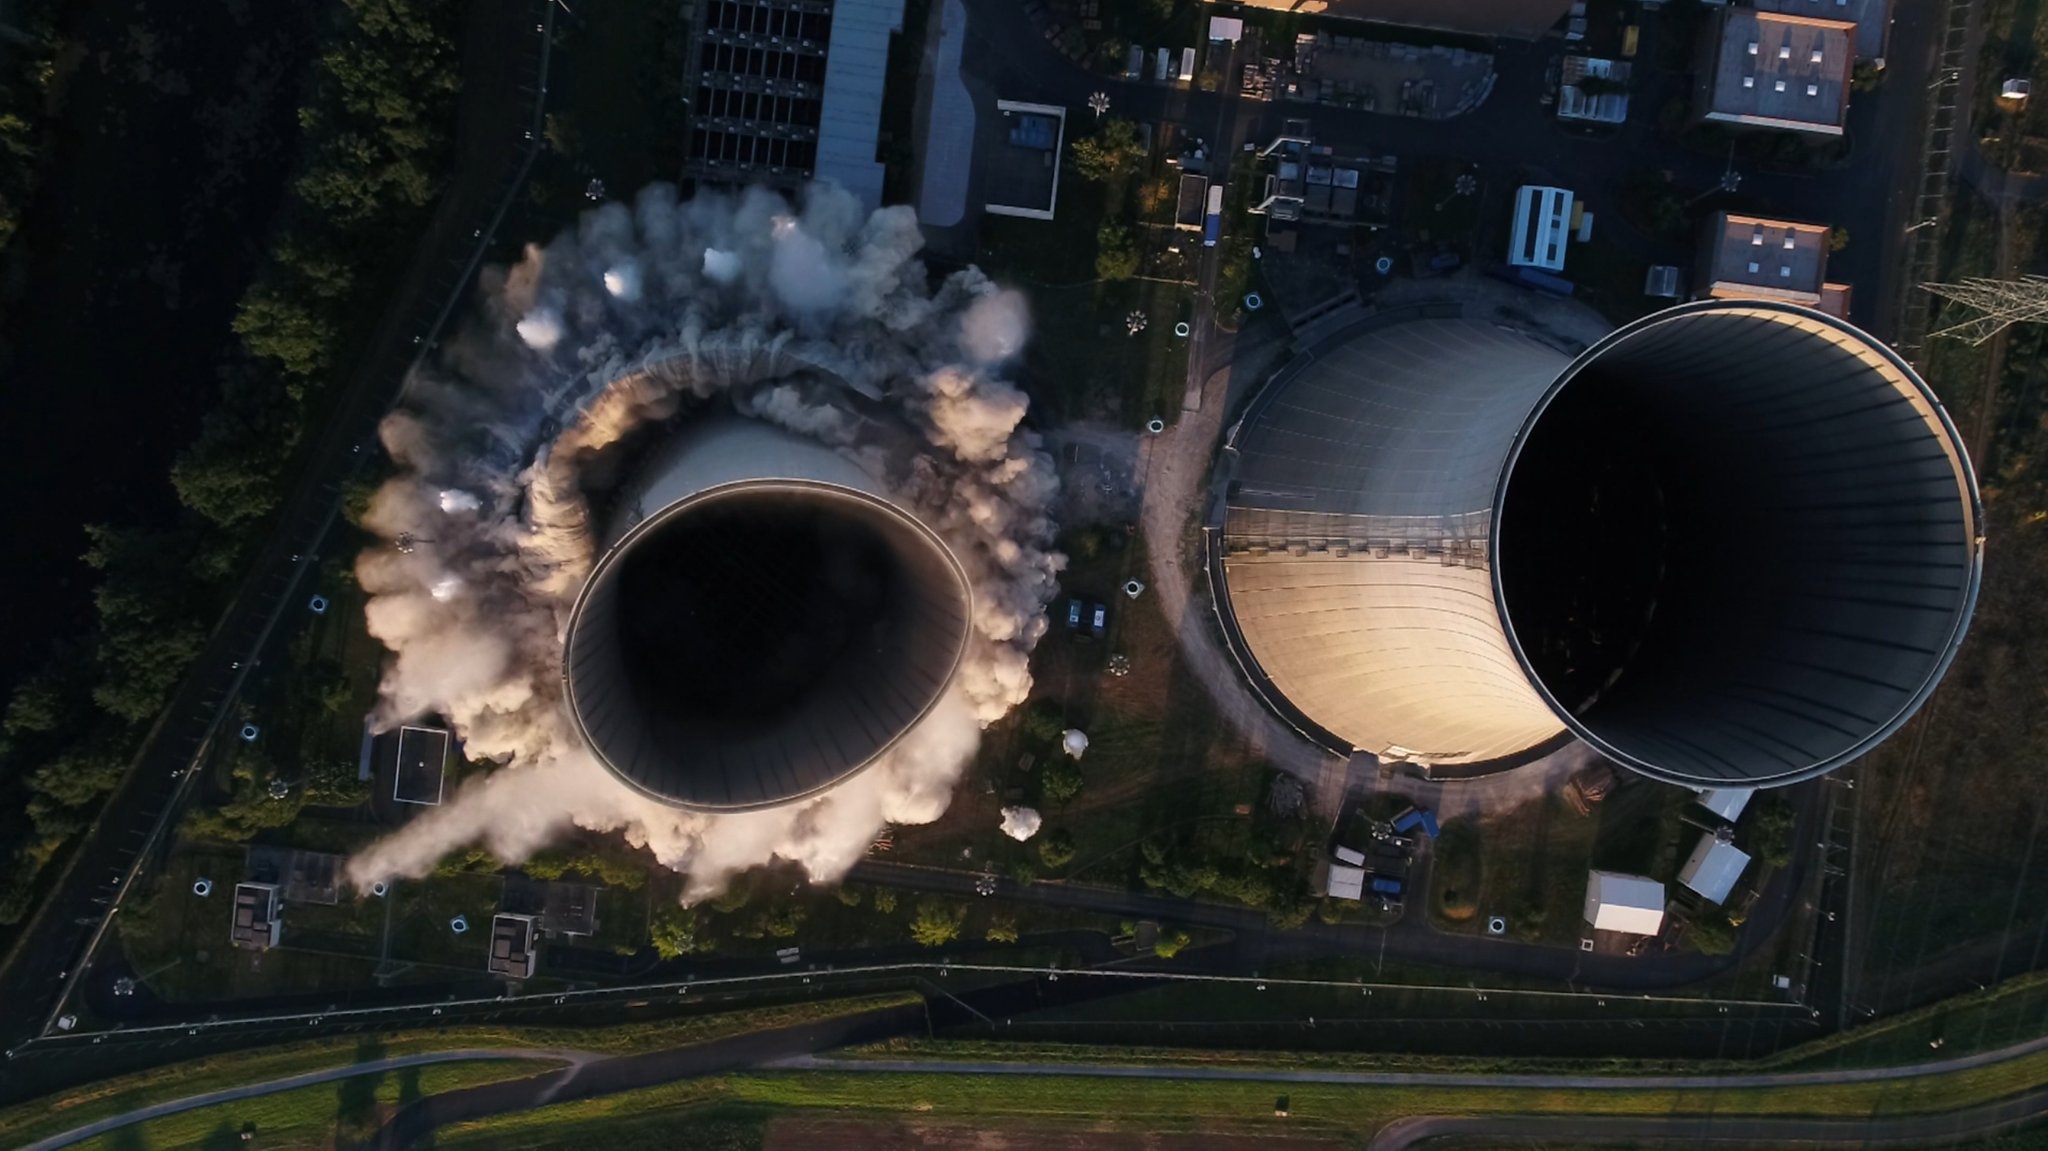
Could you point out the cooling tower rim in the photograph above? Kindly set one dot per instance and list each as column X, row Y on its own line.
column 1903, row 375
column 822, row 489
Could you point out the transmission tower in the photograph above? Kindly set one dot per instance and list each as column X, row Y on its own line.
column 1996, row 304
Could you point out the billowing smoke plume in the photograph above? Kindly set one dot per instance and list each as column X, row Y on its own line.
column 816, row 318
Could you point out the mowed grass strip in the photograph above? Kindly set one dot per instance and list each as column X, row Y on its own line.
column 311, row 1117
column 1216, row 1106
column 67, row 1110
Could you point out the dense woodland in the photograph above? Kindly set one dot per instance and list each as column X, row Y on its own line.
column 374, row 123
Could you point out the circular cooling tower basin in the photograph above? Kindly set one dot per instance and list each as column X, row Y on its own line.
column 762, row 640
column 1736, row 545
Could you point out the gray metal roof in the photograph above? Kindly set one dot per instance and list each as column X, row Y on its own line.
column 856, row 65
column 1357, row 536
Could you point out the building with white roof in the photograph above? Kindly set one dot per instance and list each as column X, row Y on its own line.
column 1543, row 225
column 1713, row 868
column 1630, row 904
column 1726, row 802
column 1345, row 882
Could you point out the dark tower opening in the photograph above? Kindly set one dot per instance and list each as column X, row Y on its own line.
column 1733, row 547
column 762, row 641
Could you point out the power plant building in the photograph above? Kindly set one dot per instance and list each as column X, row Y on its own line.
column 1732, row 544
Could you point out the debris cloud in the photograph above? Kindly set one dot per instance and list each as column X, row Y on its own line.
column 811, row 316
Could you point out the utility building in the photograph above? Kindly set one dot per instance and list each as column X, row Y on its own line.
column 1629, row 904
column 1713, row 868
column 1753, row 258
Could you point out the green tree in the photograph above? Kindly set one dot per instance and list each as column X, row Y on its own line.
column 1116, row 253
column 1771, row 826
column 1042, row 721
column 1056, row 848
column 848, row 894
column 937, row 922
column 885, row 900
column 1002, row 929
column 1168, row 946
column 1061, row 779
column 1112, row 153
column 675, row 932
column 275, row 326
column 1838, row 238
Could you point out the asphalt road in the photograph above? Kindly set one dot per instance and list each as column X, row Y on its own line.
column 310, row 1079
column 1919, row 1132
column 496, row 111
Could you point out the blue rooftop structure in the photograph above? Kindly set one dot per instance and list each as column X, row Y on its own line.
column 855, row 67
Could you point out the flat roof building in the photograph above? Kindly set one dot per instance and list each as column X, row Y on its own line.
column 1753, row 258
column 1593, row 90
column 556, row 908
column 782, row 91
column 299, row 876
column 1543, row 224
column 1508, row 19
column 1772, row 70
column 1630, row 904
column 1713, row 868
column 419, row 773
column 1872, row 18
column 257, row 924
column 1194, row 194
column 1023, row 173
column 512, row 955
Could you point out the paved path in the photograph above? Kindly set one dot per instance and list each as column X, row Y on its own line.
column 575, row 1060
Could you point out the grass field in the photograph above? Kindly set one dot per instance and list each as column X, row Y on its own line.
column 1211, row 1107
column 74, row 1108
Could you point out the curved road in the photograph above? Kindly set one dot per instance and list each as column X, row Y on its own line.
column 575, row 1060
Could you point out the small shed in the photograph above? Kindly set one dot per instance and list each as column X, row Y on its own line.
column 1726, row 802
column 1226, row 29
column 1714, row 868
column 1629, row 904
column 1345, row 882
column 256, row 925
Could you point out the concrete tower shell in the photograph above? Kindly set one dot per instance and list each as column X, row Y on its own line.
column 1731, row 544
column 764, row 622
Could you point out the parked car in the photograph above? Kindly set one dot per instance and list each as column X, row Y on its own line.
column 1099, row 623
column 1073, row 613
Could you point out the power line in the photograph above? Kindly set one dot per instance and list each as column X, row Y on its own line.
column 1997, row 304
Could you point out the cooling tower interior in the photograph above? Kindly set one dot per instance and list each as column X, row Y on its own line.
column 765, row 623
column 1733, row 544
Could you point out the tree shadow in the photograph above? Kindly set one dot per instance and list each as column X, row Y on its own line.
column 355, row 1109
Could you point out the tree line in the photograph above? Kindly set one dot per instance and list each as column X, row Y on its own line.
column 374, row 126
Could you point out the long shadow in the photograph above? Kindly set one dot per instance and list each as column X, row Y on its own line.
column 355, row 1098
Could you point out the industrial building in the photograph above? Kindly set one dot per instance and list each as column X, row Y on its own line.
column 1762, row 69
column 1732, row 544
column 782, row 695
column 782, row 91
column 1753, row 258
column 512, row 951
column 258, row 921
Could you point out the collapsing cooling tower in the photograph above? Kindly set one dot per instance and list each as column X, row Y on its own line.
column 1731, row 544
column 763, row 623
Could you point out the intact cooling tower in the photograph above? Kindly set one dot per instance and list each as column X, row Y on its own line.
column 1733, row 543
column 764, row 622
